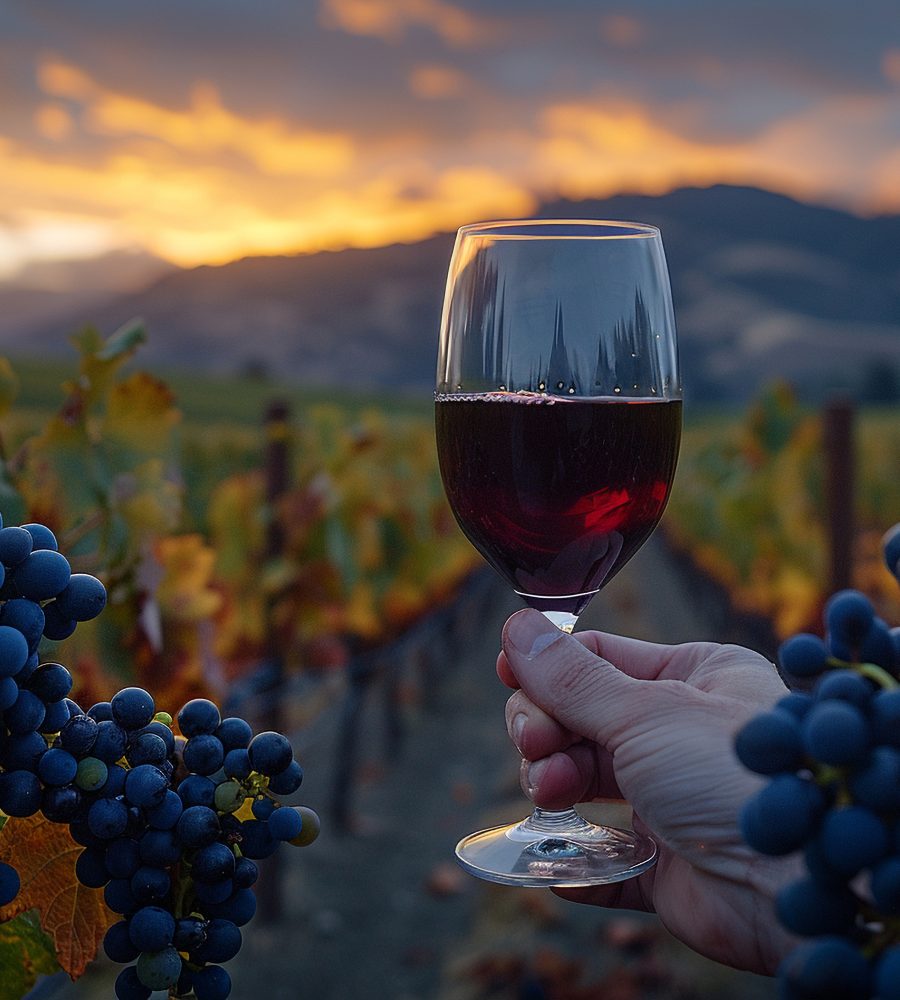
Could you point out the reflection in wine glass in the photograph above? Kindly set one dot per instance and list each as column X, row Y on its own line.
column 558, row 419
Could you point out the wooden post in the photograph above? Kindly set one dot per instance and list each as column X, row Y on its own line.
column 277, row 477
column 840, row 476
column 277, row 467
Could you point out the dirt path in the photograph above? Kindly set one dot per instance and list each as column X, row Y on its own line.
column 385, row 914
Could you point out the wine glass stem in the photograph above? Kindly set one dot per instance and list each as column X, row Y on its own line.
column 557, row 821
column 563, row 620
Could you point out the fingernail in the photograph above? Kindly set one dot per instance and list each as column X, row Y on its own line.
column 518, row 727
column 531, row 634
column 534, row 775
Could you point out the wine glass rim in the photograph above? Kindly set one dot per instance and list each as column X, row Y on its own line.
column 536, row 229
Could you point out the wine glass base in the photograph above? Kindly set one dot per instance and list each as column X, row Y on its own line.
column 587, row 855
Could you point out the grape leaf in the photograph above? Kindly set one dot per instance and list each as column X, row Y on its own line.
column 185, row 593
column 75, row 917
column 124, row 341
column 140, row 414
column 101, row 360
column 25, row 953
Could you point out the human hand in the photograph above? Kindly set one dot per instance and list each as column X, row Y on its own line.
column 598, row 716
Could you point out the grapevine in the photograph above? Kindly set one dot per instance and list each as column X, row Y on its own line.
column 171, row 825
column 832, row 754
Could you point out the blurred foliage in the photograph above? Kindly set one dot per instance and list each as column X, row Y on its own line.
column 174, row 517
column 748, row 507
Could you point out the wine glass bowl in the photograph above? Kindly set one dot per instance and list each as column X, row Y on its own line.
column 558, row 420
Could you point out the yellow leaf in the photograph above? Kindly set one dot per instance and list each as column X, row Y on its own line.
column 140, row 414
column 185, row 593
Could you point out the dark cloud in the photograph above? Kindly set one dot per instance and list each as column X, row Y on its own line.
column 279, row 55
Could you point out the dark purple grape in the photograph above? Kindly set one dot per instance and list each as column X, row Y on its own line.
column 287, row 782
column 129, row 987
column 803, row 655
column 152, row 928
column 198, row 717
column 41, row 575
column 145, row 786
column 20, row 793
column 197, row 826
column 15, row 546
column 132, row 708
column 50, row 682
column 270, row 753
column 118, row 945
column 111, row 742
column 78, row 735
column 26, row 713
column 82, row 599
column 203, row 754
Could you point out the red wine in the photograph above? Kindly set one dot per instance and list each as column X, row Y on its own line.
column 557, row 494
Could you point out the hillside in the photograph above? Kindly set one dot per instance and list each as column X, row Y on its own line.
column 763, row 286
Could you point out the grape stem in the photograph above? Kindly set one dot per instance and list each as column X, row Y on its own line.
column 879, row 675
column 827, row 775
column 883, row 939
column 185, row 882
column 82, row 529
column 876, row 674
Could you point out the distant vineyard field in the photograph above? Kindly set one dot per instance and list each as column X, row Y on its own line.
column 748, row 507
column 159, row 485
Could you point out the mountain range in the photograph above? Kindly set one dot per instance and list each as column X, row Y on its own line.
column 764, row 286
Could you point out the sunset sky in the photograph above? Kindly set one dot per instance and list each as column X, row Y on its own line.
column 206, row 130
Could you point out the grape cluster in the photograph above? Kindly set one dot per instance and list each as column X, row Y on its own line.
column 176, row 840
column 171, row 825
column 832, row 755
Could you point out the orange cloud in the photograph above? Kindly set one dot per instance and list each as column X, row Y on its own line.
column 621, row 30
column 204, row 127
column 64, row 80
column 890, row 66
column 391, row 19
column 53, row 121
column 201, row 183
column 433, row 82
column 841, row 145
column 204, row 185
column 592, row 149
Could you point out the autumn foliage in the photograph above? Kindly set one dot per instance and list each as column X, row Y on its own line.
column 748, row 509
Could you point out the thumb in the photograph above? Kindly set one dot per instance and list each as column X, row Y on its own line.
column 584, row 692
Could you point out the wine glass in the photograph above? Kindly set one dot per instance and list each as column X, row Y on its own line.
column 558, row 420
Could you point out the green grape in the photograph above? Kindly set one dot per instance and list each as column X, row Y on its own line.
column 310, row 829
column 91, row 774
column 163, row 717
column 158, row 970
column 229, row 796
